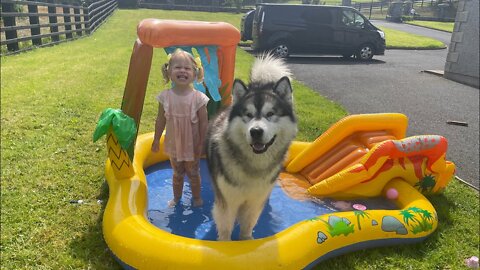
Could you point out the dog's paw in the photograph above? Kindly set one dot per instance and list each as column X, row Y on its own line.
column 246, row 237
column 220, row 238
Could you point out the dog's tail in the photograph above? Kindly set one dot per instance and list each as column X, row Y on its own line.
column 268, row 68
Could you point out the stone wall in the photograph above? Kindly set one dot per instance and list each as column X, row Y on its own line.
column 462, row 63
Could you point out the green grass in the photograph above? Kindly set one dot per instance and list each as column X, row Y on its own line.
column 444, row 26
column 51, row 99
column 402, row 40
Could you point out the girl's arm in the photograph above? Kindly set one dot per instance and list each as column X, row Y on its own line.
column 159, row 127
column 202, row 115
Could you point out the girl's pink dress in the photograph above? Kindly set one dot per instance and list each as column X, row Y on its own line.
column 182, row 128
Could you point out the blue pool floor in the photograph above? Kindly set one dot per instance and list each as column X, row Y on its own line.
column 280, row 211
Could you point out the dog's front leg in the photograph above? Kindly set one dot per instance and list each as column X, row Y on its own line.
column 224, row 219
column 248, row 216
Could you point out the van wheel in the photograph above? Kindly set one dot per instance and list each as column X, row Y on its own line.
column 281, row 49
column 365, row 52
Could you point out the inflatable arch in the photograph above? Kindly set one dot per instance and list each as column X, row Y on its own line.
column 154, row 33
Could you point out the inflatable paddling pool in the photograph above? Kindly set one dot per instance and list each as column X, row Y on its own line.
column 358, row 185
column 296, row 230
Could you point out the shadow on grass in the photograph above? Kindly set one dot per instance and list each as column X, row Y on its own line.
column 91, row 247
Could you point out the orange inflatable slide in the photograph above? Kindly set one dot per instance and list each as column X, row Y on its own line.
column 358, row 155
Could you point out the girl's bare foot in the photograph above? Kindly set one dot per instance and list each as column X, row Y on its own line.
column 172, row 203
column 197, row 202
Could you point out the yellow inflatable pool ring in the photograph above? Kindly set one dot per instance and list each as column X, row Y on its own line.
column 138, row 244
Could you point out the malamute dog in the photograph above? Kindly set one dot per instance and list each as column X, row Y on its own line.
column 247, row 143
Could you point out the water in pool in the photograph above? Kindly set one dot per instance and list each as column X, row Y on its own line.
column 280, row 211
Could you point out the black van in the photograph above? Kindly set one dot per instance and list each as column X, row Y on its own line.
column 288, row 29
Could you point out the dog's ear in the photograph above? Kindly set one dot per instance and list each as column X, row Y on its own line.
column 239, row 90
column 284, row 89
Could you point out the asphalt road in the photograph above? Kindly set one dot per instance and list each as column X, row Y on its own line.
column 396, row 82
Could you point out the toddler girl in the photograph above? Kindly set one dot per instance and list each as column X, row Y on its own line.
column 182, row 111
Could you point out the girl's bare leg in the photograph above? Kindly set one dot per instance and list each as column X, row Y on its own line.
column 177, row 181
column 193, row 173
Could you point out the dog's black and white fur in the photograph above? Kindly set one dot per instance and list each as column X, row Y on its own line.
column 247, row 144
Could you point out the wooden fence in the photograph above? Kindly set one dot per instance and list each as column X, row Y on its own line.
column 362, row 6
column 28, row 24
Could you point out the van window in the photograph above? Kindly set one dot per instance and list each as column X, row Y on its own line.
column 352, row 19
column 317, row 15
column 283, row 13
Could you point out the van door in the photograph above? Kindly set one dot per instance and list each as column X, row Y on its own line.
column 319, row 30
column 351, row 30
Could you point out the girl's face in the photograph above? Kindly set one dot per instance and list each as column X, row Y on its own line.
column 181, row 71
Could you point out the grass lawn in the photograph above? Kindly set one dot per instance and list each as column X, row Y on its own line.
column 444, row 26
column 51, row 99
column 402, row 40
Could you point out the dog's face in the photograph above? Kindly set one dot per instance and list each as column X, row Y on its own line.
column 262, row 114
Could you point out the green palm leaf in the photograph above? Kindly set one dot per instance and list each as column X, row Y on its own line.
column 407, row 216
column 360, row 214
column 426, row 215
column 123, row 127
column 415, row 209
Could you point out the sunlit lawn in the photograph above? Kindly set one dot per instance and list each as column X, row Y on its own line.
column 402, row 40
column 444, row 26
column 51, row 99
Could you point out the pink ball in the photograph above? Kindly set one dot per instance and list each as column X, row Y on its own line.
column 392, row 194
column 359, row 207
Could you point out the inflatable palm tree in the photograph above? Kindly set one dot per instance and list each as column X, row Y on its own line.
column 121, row 131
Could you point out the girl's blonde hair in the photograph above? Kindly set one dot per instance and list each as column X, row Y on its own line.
column 179, row 53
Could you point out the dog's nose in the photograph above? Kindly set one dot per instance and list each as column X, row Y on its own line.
column 256, row 133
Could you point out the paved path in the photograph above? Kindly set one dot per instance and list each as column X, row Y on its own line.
column 396, row 82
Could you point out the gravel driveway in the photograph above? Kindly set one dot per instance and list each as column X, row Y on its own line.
column 396, row 82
